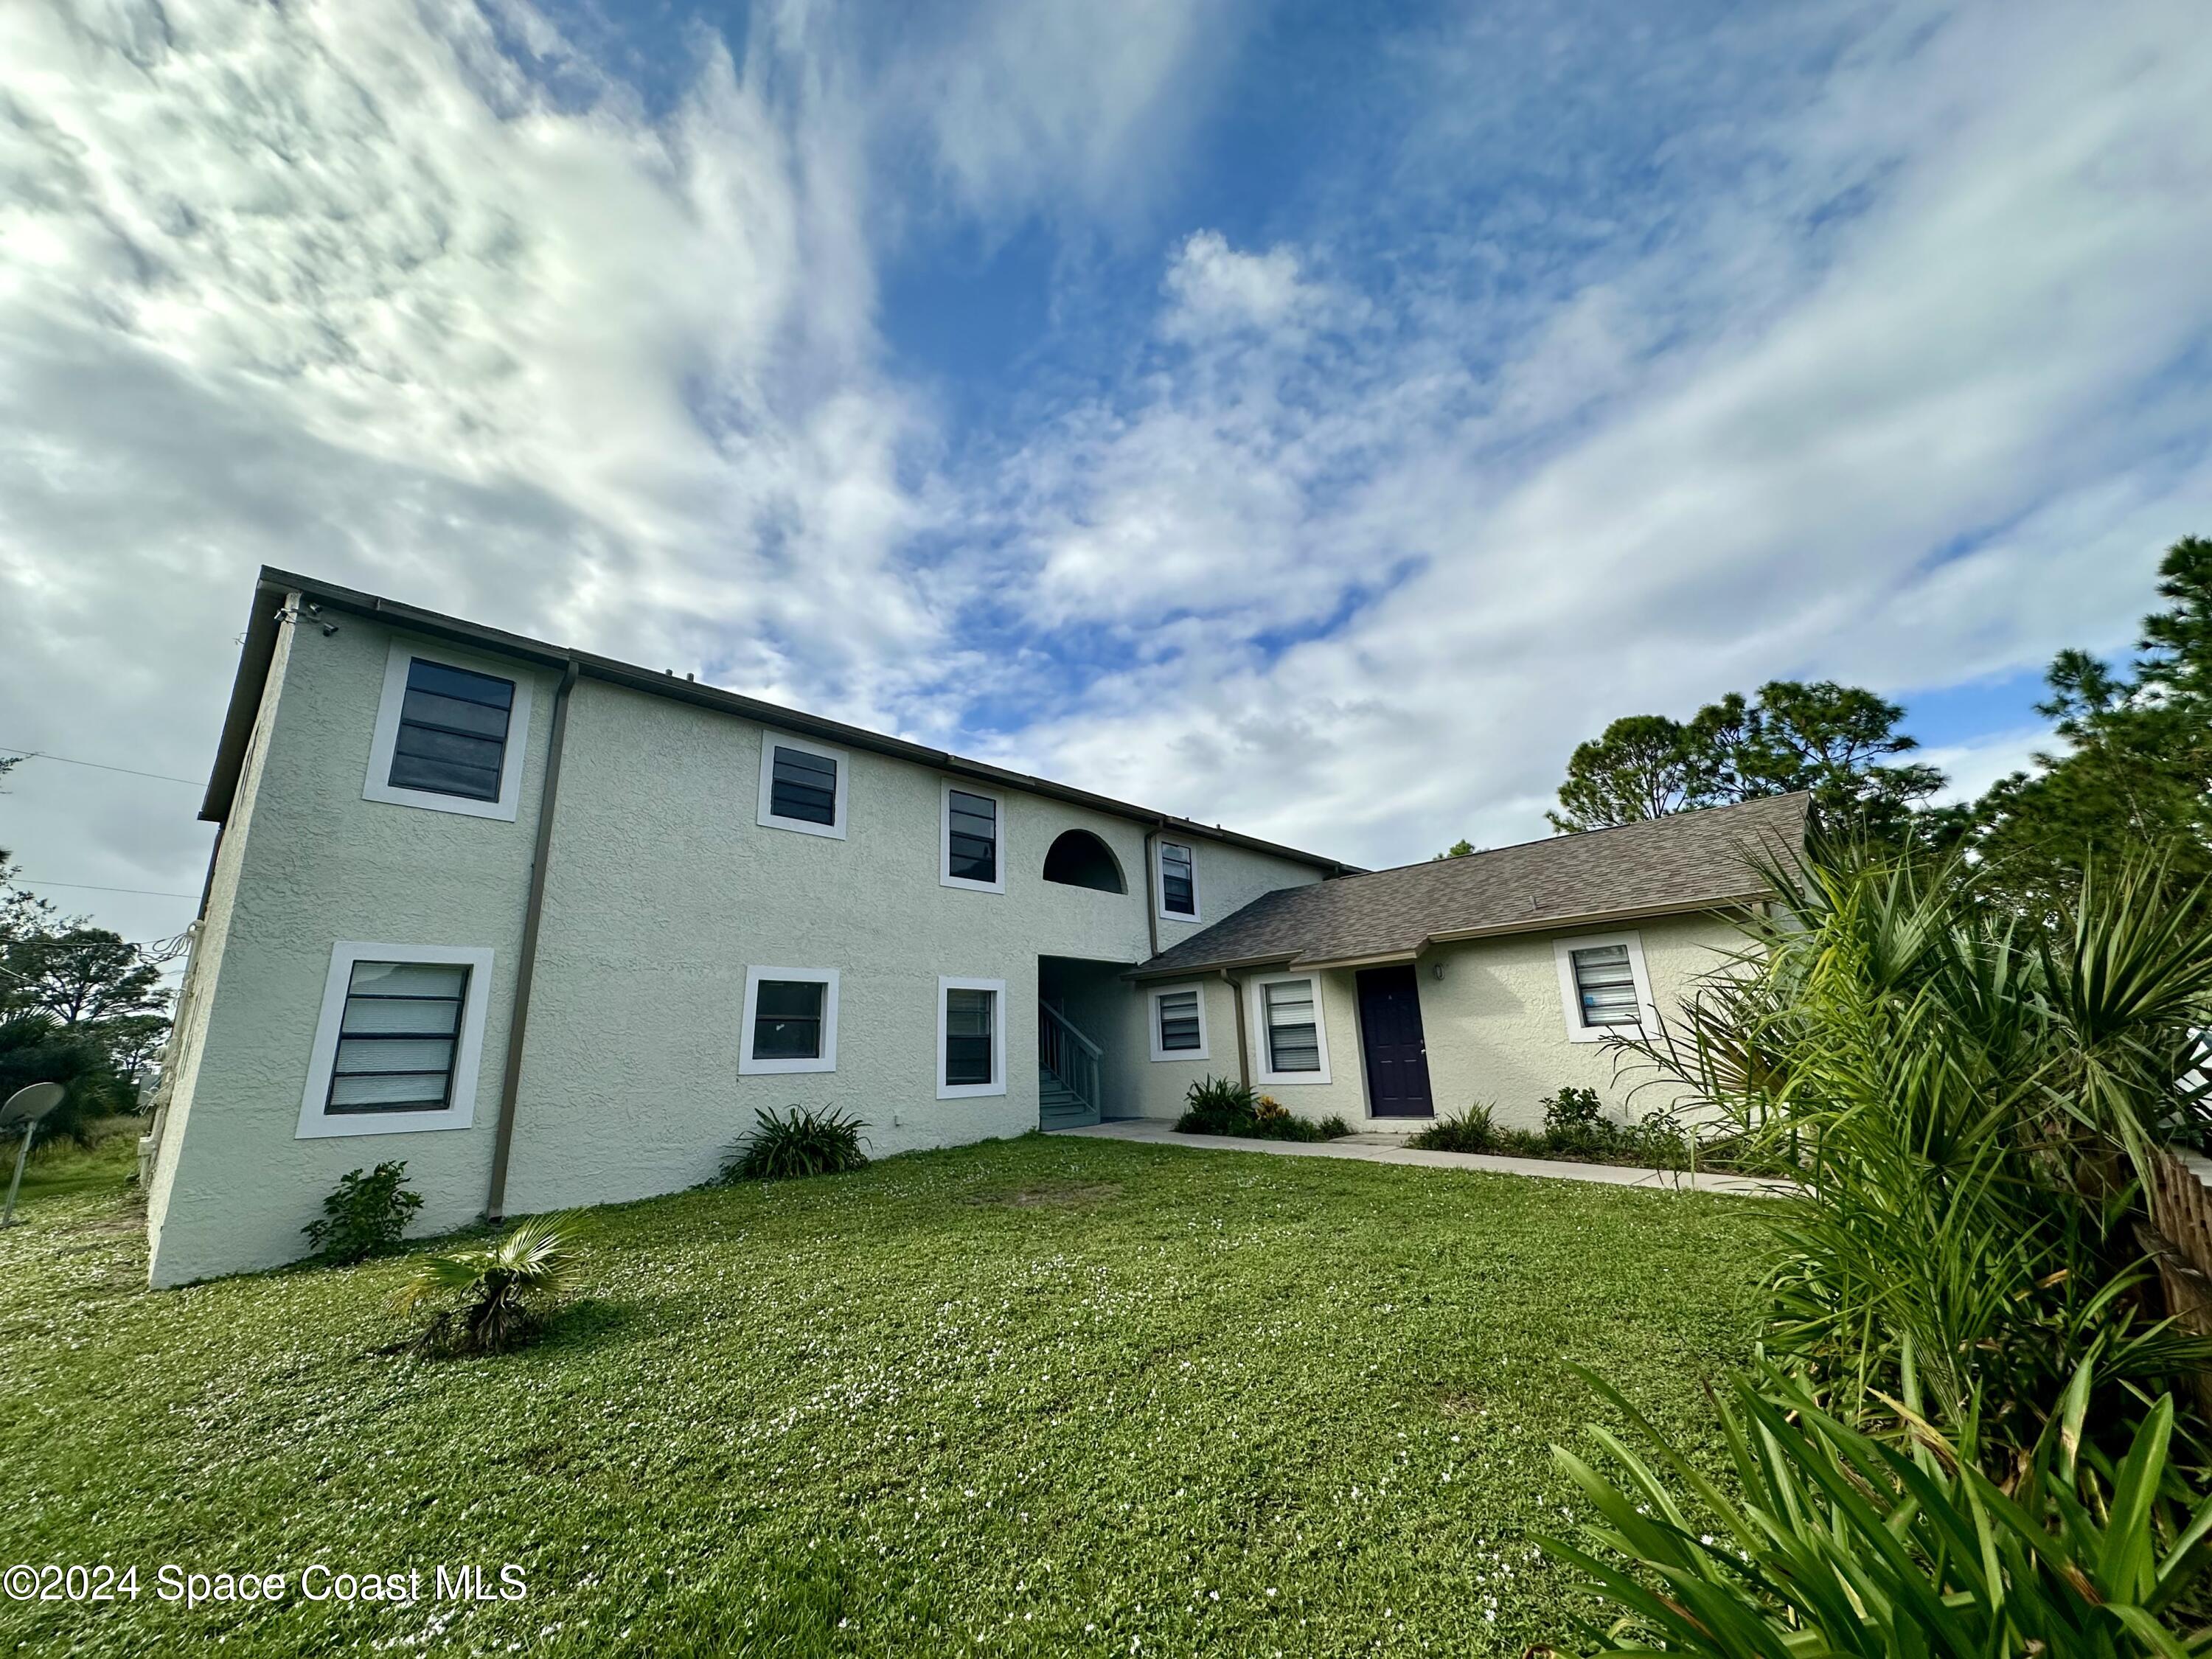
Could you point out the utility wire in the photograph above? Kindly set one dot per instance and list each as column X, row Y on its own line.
column 87, row 887
column 97, row 765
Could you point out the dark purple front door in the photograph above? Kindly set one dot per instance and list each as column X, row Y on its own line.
column 1390, row 1033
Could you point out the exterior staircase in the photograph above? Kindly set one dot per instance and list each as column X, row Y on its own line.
column 1069, row 1080
column 1060, row 1107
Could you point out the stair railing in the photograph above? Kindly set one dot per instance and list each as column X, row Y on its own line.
column 1070, row 1057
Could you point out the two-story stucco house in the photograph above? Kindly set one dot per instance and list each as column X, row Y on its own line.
column 549, row 927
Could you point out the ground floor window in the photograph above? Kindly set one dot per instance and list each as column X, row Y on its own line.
column 1179, row 1024
column 971, row 1037
column 790, row 1021
column 1603, row 984
column 1293, row 1043
column 399, row 1041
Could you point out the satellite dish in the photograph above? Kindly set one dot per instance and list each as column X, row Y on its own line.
column 30, row 1104
column 26, row 1106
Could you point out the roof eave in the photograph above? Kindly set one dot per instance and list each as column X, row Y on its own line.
column 245, row 698
column 1187, row 969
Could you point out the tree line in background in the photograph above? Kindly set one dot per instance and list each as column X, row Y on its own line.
column 79, row 1006
column 2133, row 774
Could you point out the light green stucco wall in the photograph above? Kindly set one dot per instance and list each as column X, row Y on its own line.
column 1497, row 1031
column 312, row 863
column 662, row 888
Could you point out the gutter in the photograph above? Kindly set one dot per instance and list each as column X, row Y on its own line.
column 526, row 973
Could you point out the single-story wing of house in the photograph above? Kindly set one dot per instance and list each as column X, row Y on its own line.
column 550, row 927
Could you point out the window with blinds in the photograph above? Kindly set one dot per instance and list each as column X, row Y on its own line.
column 397, row 1037
column 1293, row 1039
column 804, row 786
column 971, row 837
column 969, row 1018
column 1178, row 882
column 787, row 1019
column 1605, row 985
column 1178, row 1016
column 452, row 732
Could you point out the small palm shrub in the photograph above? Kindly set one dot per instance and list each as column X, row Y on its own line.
column 802, row 1142
column 1829, row 1540
column 500, row 1289
column 367, row 1212
column 1475, row 1130
column 1217, row 1106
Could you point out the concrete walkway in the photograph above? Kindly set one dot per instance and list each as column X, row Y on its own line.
column 1392, row 1149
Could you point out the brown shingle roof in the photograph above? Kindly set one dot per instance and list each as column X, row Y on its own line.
column 1691, row 861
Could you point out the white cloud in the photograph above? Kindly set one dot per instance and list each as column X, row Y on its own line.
column 1346, row 538
column 1979, row 355
column 336, row 287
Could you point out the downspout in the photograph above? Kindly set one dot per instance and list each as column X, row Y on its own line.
column 518, row 1026
column 1243, row 1045
column 1151, row 893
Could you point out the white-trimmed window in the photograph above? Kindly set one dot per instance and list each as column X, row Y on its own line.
column 971, row 1037
column 450, row 731
column 1293, row 1039
column 802, row 786
column 1603, row 986
column 1178, row 1023
column 1178, row 880
column 790, row 1022
column 399, row 1041
column 972, row 839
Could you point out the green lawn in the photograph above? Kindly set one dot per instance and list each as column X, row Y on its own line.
column 1047, row 1395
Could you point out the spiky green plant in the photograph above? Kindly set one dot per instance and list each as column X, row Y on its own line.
column 500, row 1289
column 784, row 1146
column 1831, row 1542
column 1969, row 1100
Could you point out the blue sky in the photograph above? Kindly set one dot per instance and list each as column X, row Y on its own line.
column 1304, row 417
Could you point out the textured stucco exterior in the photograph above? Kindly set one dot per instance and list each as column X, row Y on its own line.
column 1496, row 1023
column 310, row 863
column 661, row 890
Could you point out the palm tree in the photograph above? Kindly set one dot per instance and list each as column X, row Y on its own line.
column 502, row 1286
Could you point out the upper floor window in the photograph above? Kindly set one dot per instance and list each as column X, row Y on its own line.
column 1178, row 883
column 790, row 1021
column 971, row 1037
column 449, row 734
column 972, row 834
column 399, row 1040
column 802, row 786
column 1078, row 859
column 1603, row 984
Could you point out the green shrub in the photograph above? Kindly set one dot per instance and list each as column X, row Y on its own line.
column 1829, row 1540
column 501, row 1288
column 1222, row 1106
column 1475, row 1130
column 1969, row 1101
column 1217, row 1106
column 802, row 1143
column 367, row 1212
column 1574, row 1122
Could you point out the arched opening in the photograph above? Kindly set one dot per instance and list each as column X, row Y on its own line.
column 1079, row 859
